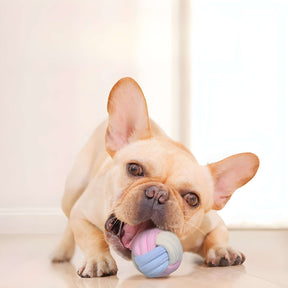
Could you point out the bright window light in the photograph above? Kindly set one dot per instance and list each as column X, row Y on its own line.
column 239, row 99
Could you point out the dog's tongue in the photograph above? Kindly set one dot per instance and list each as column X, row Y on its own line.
column 130, row 232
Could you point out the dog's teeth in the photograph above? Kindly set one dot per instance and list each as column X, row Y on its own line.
column 121, row 230
column 116, row 226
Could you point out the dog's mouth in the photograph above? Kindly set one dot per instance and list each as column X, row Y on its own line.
column 121, row 235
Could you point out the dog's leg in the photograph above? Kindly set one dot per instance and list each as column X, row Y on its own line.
column 66, row 247
column 217, row 251
column 98, row 260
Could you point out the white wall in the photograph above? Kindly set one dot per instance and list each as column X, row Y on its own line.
column 59, row 60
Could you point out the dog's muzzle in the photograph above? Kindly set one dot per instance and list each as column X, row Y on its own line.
column 150, row 213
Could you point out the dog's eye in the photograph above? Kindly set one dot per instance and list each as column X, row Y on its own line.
column 135, row 170
column 192, row 199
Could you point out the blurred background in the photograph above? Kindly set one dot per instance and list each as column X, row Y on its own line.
column 214, row 73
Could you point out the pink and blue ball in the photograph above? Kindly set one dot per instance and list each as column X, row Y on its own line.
column 156, row 253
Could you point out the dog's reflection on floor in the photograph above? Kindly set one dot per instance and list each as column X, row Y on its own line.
column 191, row 273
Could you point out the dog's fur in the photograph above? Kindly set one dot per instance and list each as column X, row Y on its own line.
column 130, row 176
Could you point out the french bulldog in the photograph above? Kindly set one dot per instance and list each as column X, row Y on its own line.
column 130, row 177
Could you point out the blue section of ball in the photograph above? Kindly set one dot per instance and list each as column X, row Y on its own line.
column 153, row 263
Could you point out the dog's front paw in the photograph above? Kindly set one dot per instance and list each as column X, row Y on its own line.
column 223, row 256
column 99, row 266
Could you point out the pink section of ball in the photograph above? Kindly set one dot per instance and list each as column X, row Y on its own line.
column 171, row 268
column 145, row 241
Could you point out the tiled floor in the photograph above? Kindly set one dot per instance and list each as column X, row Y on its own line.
column 24, row 262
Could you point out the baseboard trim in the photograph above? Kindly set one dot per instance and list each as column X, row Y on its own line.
column 32, row 220
column 52, row 220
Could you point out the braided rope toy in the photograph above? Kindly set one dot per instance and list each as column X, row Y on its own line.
column 156, row 253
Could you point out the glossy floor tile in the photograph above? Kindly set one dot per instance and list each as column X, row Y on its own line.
column 24, row 262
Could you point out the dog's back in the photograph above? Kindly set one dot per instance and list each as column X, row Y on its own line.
column 87, row 163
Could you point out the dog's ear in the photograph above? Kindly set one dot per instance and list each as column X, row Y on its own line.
column 230, row 174
column 128, row 115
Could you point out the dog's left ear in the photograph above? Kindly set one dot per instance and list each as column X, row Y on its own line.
column 230, row 174
column 128, row 115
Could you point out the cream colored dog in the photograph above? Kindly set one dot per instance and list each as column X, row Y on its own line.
column 130, row 176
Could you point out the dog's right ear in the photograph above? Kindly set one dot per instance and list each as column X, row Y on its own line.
column 128, row 115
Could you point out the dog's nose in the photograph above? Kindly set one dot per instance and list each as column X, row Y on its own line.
column 157, row 193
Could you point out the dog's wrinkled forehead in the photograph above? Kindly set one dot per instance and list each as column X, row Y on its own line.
column 156, row 151
column 161, row 158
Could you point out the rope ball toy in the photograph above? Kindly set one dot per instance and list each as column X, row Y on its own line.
column 156, row 253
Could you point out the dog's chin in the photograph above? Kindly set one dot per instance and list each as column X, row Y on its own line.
column 120, row 235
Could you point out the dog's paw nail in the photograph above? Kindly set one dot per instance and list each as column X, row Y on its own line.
column 237, row 261
column 98, row 267
column 211, row 264
column 83, row 275
column 243, row 258
column 224, row 262
column 80, row 271
column 223, row 256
